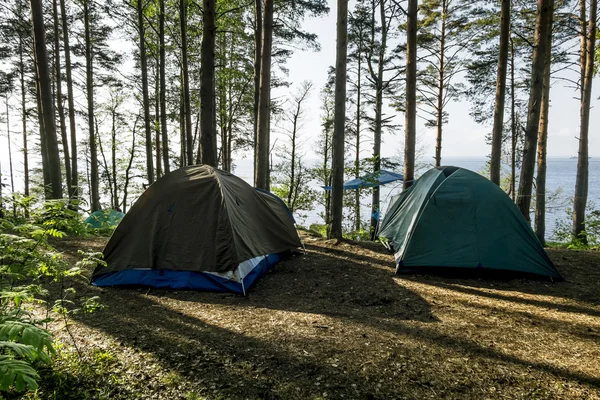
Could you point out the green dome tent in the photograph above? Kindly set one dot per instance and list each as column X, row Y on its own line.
column 104, row 218
column 455, row 218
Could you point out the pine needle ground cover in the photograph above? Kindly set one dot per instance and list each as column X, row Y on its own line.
column 337, row 323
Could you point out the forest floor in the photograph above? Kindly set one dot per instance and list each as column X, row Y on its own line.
column 336, row 323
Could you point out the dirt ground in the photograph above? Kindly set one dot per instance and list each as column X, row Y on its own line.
column 336, row 323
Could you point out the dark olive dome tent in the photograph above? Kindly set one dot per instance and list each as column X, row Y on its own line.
column 455, row 218
column 198, row 228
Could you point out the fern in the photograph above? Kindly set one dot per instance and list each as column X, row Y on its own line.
column 17, row 373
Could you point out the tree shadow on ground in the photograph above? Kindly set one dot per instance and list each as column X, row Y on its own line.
column 309, row 311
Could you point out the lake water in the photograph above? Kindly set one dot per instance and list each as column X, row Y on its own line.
column 561, row 174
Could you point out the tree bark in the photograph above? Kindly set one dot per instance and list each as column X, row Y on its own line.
column 257, row 61
column 513, row 125
column 145, row 97
column 581, row 183
column 378, row 79
column 411, row 95
column 357, row 221
column 89, row 69
column 59, row 104
column 543, row 26
column 500, row 93
column 337, row 192
column 264, row 107
column 441, row 88
column 163, row 89
column 540, row 187
column 47, row 108
column 157, row 121
column 40, row 115
column 10, row 161
column 189, row 146
column 71, row 103
column 208, row 134
column 24, row 120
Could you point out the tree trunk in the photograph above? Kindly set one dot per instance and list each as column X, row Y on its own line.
column 40, row 115
column 540, row 187
column 513, row 124
column 59, row 104
column 113, row 155
column 163, row 89
column 337, row 192
column 24, row 121
column 257, row 61
column 264, row 107
column 440, row 95
column 157, row 121
column 59, row 98
column 500, row 94
column 543, row 26
column 183, row 143
column 357, row 221
column 71, row 103
column 411, row 95
column 10, row 163
column 581, row 183
column 128, row 169
column 94, row 180
column 189, row 147
column 223, row 100
column 208, row 134
column 378, row 115
column 47, row 108
column 145, row 97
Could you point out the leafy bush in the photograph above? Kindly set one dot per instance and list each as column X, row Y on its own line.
column 27, row 264
column 60, row 215
column 563, row 232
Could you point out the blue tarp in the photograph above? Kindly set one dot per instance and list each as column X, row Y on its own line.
column 186, row 280
column 370, row 180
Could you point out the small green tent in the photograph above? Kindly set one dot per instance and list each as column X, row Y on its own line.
column 455, row 218
column 104, row 218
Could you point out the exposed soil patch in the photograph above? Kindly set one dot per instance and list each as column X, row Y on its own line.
column 337, row 323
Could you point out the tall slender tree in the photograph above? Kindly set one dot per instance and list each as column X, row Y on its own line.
column 59, row 97
column 163, row 88
column 540, row 187
column 208, row 134
column 264, row 106
column 379, row 62
column 581, row 183
column 145, row 96
column 411, row 94
column 258, row 21
column 70, row 102
column 498, row 128
column 89, row 74
column 46, row 104
column 337, row 181
column 543, row 26
column 187, row 109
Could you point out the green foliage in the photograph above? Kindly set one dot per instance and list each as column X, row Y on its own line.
column 59, row 215
column 28, row 263
column 320, row 229
column 590, row 238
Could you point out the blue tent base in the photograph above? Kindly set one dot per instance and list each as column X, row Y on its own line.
column 478, row 272
column 186, row 280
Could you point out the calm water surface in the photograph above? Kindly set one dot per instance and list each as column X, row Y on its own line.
column 560, row 185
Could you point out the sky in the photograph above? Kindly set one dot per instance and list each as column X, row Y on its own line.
column 462, row 137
